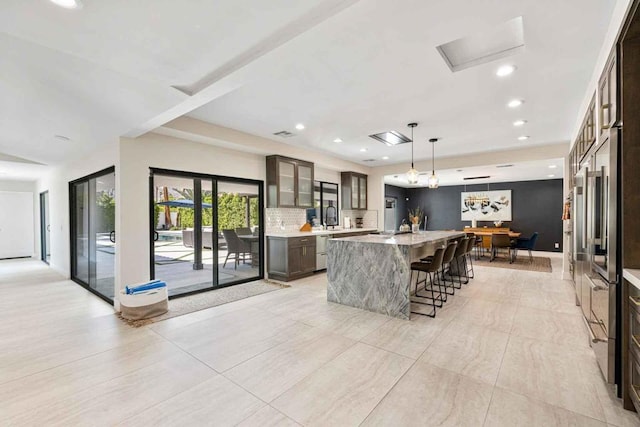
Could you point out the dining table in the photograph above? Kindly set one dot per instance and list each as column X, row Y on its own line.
column 487, row 232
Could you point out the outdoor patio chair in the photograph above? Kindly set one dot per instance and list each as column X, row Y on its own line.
column 235, row 247
column 187, row 238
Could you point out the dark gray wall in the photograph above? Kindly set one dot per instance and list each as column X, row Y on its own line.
column 537, row 206
column 401, row 206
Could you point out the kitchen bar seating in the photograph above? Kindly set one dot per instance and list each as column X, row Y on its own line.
column 431, row 272
column 449, row 253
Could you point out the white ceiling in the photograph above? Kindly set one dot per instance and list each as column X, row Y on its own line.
column 375, row 67
column 344, row 68
column 518, row 171
column 96, row 73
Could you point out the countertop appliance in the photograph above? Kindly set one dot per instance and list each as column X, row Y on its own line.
column 596, row 247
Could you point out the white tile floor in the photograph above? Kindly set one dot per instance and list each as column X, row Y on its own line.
column 509, row 349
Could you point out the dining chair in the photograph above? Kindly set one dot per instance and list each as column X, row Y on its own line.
column 528, row 244
column 501, row 241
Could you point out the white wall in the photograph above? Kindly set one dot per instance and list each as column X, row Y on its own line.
column 27, row 186
column 57, row 183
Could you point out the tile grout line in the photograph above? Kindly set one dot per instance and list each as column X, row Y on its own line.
column 309, row 374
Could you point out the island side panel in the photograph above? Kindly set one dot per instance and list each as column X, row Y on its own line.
column 369, row 276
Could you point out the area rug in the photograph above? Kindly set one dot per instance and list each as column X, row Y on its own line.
column 542, row 264
column 204, row 300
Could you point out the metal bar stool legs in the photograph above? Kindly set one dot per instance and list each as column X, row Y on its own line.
column 430, row 269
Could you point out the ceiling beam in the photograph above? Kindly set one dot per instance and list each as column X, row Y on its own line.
column 228, row 78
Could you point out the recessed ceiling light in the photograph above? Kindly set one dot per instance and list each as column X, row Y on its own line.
column 515, row 103
column 300, row 126
column 68, row 4
column 505, row 70
column 552, row 166
column 519, row 122
column 337, row 140
column 523, row 138
column 385, row 158
column 551, row 175
column 362, row 150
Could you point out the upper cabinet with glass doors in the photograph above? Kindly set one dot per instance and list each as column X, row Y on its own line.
column 289, row 183
column 354, row 191
column 608, row 94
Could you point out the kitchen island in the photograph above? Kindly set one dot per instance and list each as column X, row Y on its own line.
column 373, row 272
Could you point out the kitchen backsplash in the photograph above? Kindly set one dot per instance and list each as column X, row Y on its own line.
column 369, row 218
column 291, row 219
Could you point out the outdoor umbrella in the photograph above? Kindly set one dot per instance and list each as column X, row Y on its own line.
column 183, row 203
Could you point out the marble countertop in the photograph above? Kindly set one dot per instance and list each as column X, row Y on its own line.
column 412, row 239
column 633, row 276
column 319, row 232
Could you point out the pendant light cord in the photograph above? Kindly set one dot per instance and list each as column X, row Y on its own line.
column 433, row 158
column 412, row 125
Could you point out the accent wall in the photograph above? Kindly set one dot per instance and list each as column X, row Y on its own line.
column 537, row 206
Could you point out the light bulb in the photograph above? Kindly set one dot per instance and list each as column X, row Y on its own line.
column 412, row 176
column 433, row 181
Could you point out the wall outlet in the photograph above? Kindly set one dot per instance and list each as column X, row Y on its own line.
column 556, row 245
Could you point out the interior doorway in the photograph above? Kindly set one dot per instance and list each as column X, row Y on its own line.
column 45, row 228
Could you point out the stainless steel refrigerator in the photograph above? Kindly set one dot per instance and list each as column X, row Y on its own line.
column 596, row 248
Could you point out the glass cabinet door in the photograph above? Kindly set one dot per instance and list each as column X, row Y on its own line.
column 305, row 186
column 363, row 192
column 286, row 178
column 354, row 192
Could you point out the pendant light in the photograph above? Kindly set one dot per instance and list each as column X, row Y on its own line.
column 433, row 179
column 412, row 174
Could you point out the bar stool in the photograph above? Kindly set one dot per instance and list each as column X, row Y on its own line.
column 431, row 270
column 459, row 257
column 468, row 256
column 449, row 252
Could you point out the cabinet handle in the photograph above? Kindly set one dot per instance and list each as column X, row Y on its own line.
column 635, row 301
column 603, row 108
column 304, row 240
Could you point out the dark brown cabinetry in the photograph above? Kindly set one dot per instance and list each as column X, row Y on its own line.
column 290, row 258
column 585, row 140
column 289, row 183
column 608, row 95
column 354, row 191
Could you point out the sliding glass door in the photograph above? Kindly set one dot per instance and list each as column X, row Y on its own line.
column 45, row 228
column 206, row 231
column 238, row 208
column 92, row 213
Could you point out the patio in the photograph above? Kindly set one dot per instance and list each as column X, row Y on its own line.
column 174, row 264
